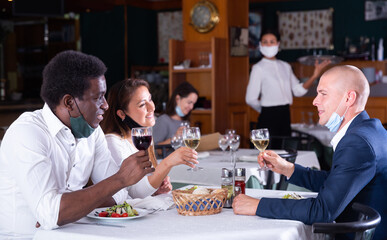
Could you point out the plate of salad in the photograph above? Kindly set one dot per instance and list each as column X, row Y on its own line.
column 120, row 212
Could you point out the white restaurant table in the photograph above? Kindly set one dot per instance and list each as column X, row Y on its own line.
column 170, row 225
column 212, row 165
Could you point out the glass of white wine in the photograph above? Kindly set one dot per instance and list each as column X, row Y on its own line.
column 191, row 138
column 260, row 139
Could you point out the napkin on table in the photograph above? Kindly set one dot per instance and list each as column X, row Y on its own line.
column 158, row 202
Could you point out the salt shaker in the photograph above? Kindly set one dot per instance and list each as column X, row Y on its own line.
column 227, row 182
column 240, row 178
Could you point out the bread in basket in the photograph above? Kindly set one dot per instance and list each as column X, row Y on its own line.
column 191, row 204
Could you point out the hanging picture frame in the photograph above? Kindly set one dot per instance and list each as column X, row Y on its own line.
column 255, row 29
column 306, row 29
column 169, row 26
column 375, row 10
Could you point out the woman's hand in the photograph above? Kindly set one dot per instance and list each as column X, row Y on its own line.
column 318, row 67
column 275, row 163
column 165, row 187
column 182, row 155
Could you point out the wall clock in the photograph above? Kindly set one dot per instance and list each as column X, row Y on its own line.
column 204, row 16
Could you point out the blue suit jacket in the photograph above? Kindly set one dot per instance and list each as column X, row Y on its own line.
column 358, row 174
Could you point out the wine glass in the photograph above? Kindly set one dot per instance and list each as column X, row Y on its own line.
column 184, row 124
column 177, row 141
column 230, row 133
column 223, row 142
column 234, row 142
column 191, row 138
column 142, row 137
column 260, row 139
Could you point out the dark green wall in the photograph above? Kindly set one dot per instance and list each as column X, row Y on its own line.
column 103, row 36
column 348, row 20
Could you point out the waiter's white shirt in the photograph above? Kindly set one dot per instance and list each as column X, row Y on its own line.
column 39, row 161
column 272, row 83
column 121, row 149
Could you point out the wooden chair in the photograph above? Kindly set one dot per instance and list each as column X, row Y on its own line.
column 364, row 227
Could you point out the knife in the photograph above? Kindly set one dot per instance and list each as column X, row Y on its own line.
column 100, row 224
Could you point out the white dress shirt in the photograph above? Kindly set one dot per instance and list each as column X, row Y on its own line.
column 272, row 83
column 121, row 149
column 340, row 134
column 39, row 161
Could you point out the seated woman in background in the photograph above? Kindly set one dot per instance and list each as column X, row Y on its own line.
column 178, row 109
column 131, row 105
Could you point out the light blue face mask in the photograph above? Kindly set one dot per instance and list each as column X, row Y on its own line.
column 79, row 126
column 179, row 112
column 335, row 120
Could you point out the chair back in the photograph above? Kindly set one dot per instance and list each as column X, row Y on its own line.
column 163, row 150
column 364, row 227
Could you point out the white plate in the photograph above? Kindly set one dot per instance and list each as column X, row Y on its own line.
column 141, row 213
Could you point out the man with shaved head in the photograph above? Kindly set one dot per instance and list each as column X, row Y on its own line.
column 359, row 165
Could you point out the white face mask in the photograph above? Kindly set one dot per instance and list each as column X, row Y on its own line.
column 268, row 52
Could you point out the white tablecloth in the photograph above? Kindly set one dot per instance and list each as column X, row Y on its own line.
column 212, row 165
column 320, row 132
column 170, row 225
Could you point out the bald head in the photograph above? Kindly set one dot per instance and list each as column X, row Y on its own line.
column 349, row 78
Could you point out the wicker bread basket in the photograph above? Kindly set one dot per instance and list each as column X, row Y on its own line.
column 199, row 204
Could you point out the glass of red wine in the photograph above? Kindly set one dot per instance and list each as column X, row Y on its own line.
column 142, row 137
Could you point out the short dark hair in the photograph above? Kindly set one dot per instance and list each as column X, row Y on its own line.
column 270, row 31
column 183, row 90
column 119, row 97
column 69, row 72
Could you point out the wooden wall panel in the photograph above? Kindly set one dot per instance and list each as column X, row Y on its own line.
column 239, row 121
column 377, row 108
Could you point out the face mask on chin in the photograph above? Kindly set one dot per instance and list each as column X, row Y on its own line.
column 179, row 112
column 130, row 122
column 79, row 126
column 335, row 120
column 267, row 51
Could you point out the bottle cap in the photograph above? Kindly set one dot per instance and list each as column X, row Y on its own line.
column 240, row 172
column 226, row 173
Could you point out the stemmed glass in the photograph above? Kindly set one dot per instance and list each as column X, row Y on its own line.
column 260, row 139
column 230, row 133
column 191, row 138
column 234, row 142
column 177, row 141
column 142, row 137
column 184, row 124
column 223, row 142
